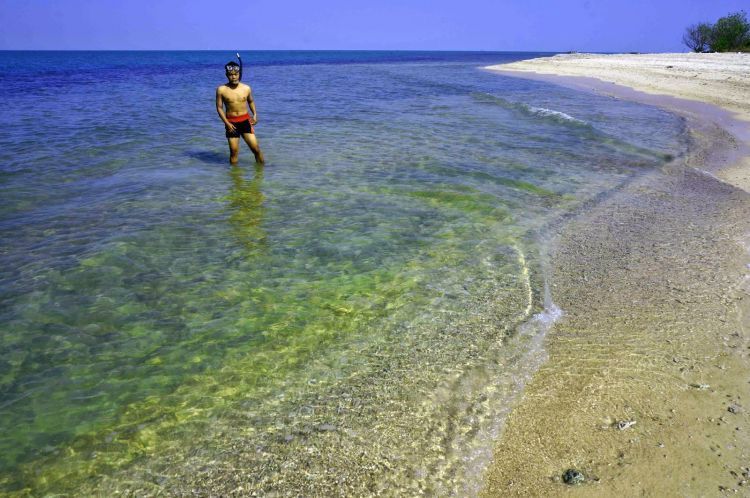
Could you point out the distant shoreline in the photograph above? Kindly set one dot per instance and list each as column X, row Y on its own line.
column 706, row 89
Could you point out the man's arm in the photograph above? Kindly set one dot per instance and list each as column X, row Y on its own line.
column 251, row 103
column 220, row 108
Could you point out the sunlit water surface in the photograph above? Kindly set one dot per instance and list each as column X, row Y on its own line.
column 156, row 302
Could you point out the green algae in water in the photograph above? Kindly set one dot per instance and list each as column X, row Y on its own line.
column 267, row 348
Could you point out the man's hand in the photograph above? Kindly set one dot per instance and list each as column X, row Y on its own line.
column 230, row 127
column 254, row 120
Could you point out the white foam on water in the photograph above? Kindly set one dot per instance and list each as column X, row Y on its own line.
column 541, row 111
column 547, row 318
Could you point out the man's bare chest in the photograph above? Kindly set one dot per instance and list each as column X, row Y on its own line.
column 234, row 96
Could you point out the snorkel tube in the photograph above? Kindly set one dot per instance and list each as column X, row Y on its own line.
column 240, row 59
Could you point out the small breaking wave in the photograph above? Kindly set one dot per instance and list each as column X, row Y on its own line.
column 529, row 110
column 556, row 115
column 585, row 128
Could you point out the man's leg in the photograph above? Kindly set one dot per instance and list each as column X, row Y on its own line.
column 252, row 142
column 234, row 149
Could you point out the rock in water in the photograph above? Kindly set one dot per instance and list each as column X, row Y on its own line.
column 572, row 477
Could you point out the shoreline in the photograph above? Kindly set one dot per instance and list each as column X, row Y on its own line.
column 705, row 113
column 647, row 370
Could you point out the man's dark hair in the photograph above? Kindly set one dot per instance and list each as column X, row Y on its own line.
column 231, row 65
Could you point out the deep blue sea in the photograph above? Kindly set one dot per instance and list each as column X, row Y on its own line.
column 356, row 305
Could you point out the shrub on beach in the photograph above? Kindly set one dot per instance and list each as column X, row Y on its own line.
column 697, row 37
column 730, row 34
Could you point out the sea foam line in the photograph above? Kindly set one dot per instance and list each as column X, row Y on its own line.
column 536, row 328
column 541, row 111
column 551, row 312
column 526, row 280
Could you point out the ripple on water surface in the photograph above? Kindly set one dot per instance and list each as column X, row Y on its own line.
column 351, row 306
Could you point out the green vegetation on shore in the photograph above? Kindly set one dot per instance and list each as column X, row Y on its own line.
column 730, row 33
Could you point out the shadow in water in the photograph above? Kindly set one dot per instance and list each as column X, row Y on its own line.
column 208, row 156
column 246, row 208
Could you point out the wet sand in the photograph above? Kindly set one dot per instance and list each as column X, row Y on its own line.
column 647, row 384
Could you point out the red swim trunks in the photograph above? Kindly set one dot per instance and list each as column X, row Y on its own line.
column 241, row 124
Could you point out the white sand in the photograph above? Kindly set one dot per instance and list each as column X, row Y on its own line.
column 720, row 79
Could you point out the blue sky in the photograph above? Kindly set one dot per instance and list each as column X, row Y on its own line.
column 513, row 25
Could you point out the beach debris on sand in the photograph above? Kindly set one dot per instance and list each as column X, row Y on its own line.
column 734, row 408
column 625, row 424
column 573, row 477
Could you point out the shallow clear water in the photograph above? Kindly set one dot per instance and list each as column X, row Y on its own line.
column 149, row 291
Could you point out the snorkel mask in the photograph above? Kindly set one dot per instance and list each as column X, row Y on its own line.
column 232, row 67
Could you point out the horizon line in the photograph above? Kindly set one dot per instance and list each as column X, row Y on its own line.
column 319, row 50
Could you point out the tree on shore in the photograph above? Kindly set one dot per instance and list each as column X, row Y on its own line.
column 730, row 33
column 697, row 37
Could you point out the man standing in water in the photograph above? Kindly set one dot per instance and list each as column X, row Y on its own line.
column 236, row 96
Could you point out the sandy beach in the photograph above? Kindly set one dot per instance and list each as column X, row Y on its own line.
column 646, row 388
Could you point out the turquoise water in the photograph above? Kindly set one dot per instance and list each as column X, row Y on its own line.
column 158, row 303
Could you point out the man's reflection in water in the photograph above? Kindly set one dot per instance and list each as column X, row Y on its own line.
column 246, row 206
